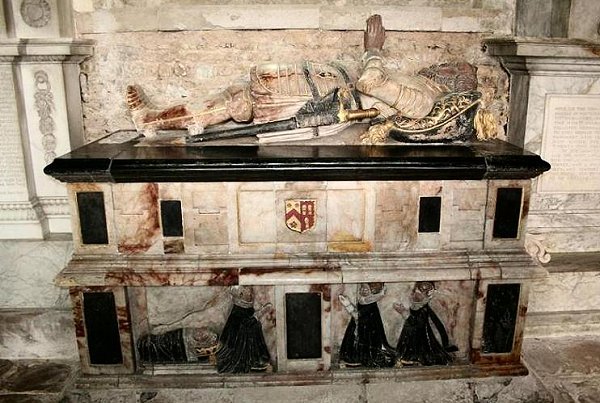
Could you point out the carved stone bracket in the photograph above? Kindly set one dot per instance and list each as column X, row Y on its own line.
column 535, row 247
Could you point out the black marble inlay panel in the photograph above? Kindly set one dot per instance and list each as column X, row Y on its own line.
column 102, row 328
column 429, row 214
column 92, row 218
column 303, row 325
column 500, row 318
column 508, row 212
column 170, row 213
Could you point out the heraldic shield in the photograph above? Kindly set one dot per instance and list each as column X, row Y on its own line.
column 300, row 215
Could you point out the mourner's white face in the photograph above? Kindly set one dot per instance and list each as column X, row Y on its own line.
column 246, row 294
column 422, row 292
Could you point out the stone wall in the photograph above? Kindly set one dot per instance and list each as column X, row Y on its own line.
column 35, row 314
column 182, row 50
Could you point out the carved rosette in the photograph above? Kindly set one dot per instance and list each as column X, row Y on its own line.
column 36, row 13
column 44, row 104
column 535, row 248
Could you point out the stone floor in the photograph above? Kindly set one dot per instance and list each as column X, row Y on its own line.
column 561, row 370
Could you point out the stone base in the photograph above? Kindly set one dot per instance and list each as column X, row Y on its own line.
column 562, row 370
column 185, row 380
column 345, row 386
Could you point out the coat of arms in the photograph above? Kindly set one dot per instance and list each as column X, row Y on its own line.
column 300, row 215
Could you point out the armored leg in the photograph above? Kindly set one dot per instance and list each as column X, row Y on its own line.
column 233, row 103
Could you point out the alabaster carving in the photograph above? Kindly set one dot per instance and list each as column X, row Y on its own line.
column 365, row 342
column 534, row 245
column 418, row 343
column 284, row 102
column 36, row 13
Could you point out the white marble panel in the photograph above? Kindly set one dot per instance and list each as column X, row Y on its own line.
column 285, row 236
column 210, row 229
column 208, row 197
column 346, row 216
column 257, row 219
column 36, row 19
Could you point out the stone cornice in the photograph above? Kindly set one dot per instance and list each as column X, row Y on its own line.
column 45, row 50
column 196, row 270
column 554, row 57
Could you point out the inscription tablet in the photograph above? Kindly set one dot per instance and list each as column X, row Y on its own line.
column 571, row 144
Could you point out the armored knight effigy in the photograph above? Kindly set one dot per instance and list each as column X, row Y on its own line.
column 201, row 247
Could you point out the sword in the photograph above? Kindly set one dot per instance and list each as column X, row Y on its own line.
column 329, row 110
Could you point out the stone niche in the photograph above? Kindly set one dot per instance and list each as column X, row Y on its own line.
column 181, row 249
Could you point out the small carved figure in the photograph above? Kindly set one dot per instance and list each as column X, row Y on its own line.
column 188, row 344
column 296, row 99
column 242, row 346
column 418, row 343
column 365, row 342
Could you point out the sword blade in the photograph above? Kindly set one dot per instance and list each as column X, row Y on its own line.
column 244, row 131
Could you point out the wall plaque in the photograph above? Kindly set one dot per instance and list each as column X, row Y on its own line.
column 571, row 144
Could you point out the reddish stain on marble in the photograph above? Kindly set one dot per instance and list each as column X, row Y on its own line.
column 77, row 312
column 176, row 117
column 323, row 289
column 263, row 271
column 327, row 349
column 224, row 277
column 123, row 319
column 523, row 311
column 149, row 228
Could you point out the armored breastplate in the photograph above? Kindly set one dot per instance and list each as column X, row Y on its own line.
column 280, row 90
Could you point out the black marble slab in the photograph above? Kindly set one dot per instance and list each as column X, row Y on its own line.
column 130, row 162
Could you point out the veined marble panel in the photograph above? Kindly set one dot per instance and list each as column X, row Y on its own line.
column 570, row 291
column 452, row 303
column 27, row 271
column 137, row 218
column 37, row 333
column 176, row 307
